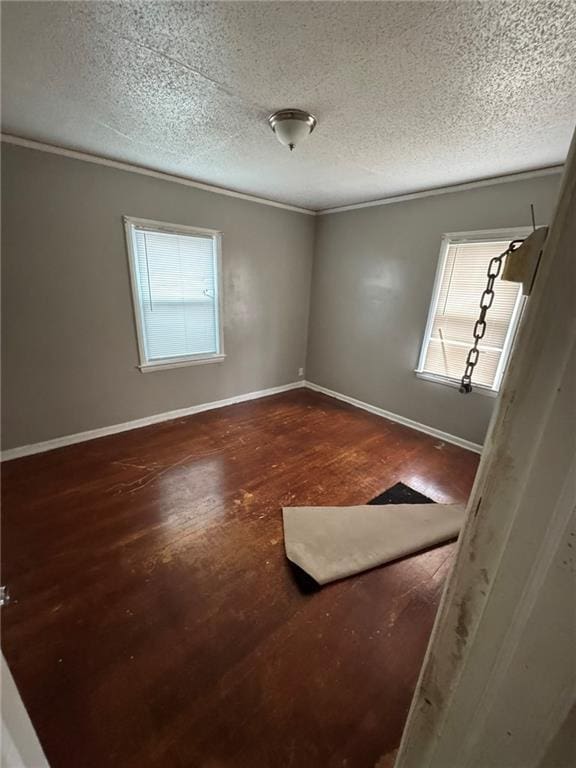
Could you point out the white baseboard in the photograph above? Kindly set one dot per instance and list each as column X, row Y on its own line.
column 92, row 434
column 444, row 436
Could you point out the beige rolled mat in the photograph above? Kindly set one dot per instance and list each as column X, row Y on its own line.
column 332, row 543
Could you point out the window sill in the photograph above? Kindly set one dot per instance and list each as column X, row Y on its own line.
column 164, row 365
column 455, row 384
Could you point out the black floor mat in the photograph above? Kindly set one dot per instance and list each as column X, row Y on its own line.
column 401, row 494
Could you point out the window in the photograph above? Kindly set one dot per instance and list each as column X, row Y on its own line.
column 175, row 273
column 460, row 282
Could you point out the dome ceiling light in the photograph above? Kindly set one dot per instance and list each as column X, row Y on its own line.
column 292, row 126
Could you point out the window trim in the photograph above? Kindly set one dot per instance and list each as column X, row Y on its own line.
column 132, row 223
column 476, row 236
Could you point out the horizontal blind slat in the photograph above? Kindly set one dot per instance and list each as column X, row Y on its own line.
column 462, row 284
column 177, row 285
column 449, row 361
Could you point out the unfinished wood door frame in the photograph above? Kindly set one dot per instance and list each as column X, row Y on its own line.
column 518, row 516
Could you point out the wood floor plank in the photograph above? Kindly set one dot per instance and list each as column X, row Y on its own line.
column 156, row 622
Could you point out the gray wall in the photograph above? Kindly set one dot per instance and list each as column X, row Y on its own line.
column 372, row 282
column 69, row 343
column 69, row 349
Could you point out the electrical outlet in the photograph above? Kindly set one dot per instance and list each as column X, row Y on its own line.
column 300, row 371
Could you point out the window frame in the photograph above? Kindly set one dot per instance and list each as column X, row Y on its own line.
column 455, row 238
column 131, row 224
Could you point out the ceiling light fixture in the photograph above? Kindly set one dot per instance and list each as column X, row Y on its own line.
column 292, row 126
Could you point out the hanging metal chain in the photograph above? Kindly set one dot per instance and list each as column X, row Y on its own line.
column 486, row 301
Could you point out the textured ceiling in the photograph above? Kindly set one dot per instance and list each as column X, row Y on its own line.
column 409, row 95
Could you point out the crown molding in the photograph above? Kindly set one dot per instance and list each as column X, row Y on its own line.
column 488, row 182
column 75, row 154
column 130, row 167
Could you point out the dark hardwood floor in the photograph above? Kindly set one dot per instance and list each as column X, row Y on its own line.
column 154, row 619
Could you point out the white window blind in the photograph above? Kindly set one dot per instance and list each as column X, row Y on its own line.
column 455, row 308
column 175, row 288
